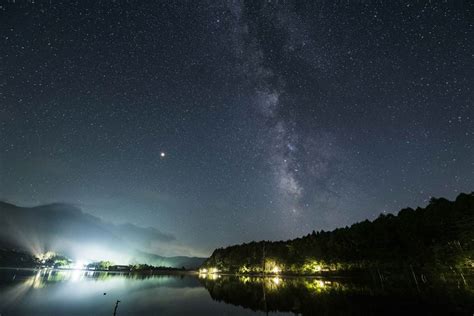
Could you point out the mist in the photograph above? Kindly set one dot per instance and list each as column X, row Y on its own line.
column 67, row 230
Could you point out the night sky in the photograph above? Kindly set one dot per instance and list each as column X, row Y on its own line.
column 224, row 122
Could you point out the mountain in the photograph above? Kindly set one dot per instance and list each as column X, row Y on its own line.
column 65, row 229
column 441, row 234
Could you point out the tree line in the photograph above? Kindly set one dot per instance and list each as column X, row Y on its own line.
column 441, row 234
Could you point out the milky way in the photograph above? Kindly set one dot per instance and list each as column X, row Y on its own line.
column 226, row 122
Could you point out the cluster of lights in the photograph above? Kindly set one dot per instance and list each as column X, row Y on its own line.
column 209, row 271
column 68, row 264
column 276, row 270
column 42, row 257
column 272, row 267
column 312, row 267
column 79, row 265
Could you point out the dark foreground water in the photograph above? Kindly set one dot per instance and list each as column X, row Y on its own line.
column 46, row 292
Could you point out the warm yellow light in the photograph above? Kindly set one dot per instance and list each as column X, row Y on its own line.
column 244, row 279
column 276, row 280
column 276, row 270
column 210, row 271
column 214, row 276
column 312, row 266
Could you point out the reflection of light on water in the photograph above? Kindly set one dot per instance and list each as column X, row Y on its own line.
column 276, row 280
column 209, row 276
column 244, row 279
column 47, row 275
column 319, row 285
column 71, row 285
column 37, row 281
column 16, row 293
column 76, row 275
column 273, row 283
column 215, row 276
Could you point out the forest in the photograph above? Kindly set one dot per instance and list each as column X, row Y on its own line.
column 439, row 235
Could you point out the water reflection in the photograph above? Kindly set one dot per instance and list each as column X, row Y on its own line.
column 50, row 292
column 314, row 296
column 47, row 292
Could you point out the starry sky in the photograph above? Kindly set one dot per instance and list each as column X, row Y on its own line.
column 221, row 122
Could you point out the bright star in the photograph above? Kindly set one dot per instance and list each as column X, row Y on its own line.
column 162, row 154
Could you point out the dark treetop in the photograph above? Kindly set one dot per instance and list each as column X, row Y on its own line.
column 438, row 236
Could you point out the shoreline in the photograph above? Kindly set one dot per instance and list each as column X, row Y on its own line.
column 162, row 272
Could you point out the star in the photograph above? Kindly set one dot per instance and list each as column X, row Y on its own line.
column 263, row 118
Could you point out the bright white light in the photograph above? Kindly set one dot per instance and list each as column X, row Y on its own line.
column 75, row 275
column 162, row 154
column 79, row 264
column 209, row 271
column 276, row 280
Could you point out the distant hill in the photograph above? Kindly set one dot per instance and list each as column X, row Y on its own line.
column 440, row 234
column 67, row 230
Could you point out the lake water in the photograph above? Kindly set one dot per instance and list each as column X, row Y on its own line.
column 46, row 292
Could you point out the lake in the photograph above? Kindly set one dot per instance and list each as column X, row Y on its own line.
column 50, row 292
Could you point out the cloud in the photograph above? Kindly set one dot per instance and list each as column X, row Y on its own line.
column 140, row 235
column 64, row 228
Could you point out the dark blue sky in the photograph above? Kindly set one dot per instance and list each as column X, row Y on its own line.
column 276, row 117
